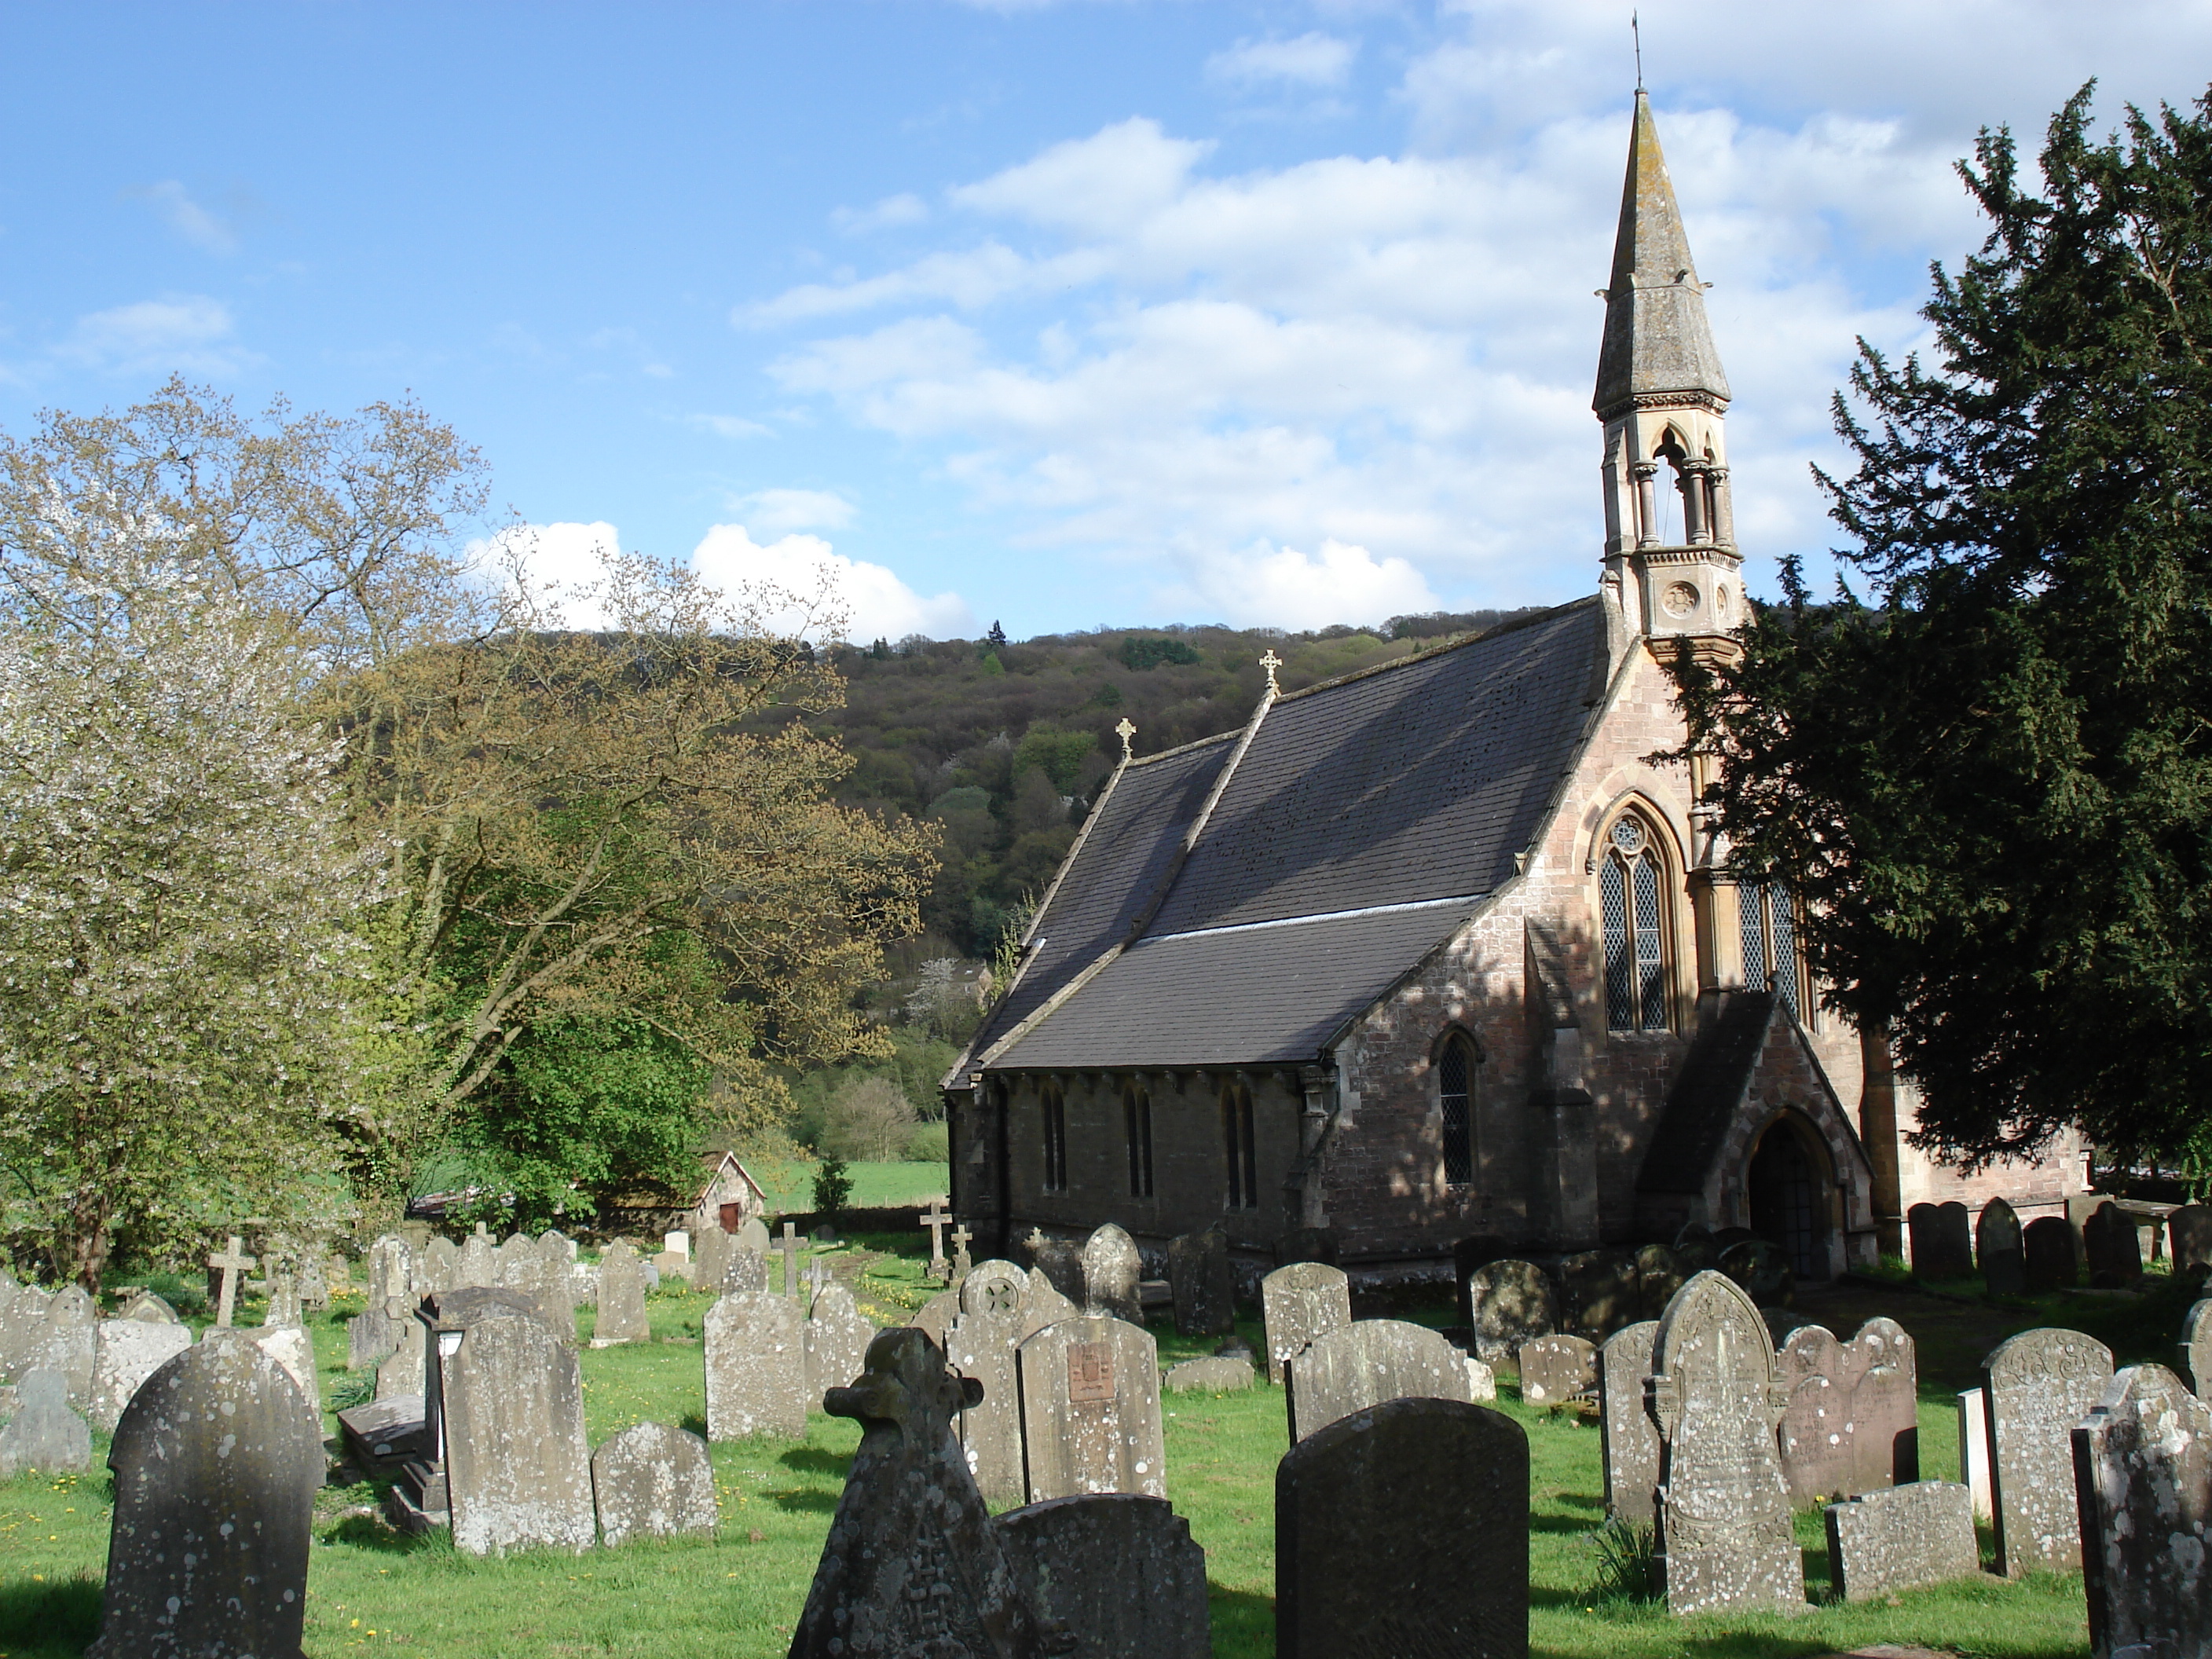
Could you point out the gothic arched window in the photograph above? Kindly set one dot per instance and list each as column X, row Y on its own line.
column 1455, row 1104
column 1631, row 892
column 1137, row 1114
column 1771, row 960
column 1055, row 1139
column 1241, row 1155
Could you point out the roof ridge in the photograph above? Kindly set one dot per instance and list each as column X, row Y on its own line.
column 1451, row 642
column 1184, row 748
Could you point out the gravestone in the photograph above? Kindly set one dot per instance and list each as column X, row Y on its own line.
column 1881, row 1368
column 130, row 1352
column 710, row 1258
column 1599, row 1293
column 2143, row 1463
column 438, row 1268
column 1402, row 1530
column 1815, row 1440
column 2047, row 1246
column 1469, row 1256
column 652, row 1481
column 404, row 1369
column 912, row 1564
column 390, row 1269
column 1904, row 1538
column 1002, row 1286
column 370, row 1335
column 745, row 1270
column 675, row 1258
column 1630, row 1439
column 753, row 1236
column 23, row 1326
column 1211, row 1374
column 1660, row 1272
column 981, row 1347
column 283, row 1307
column 755, row 1357
column 1942, row 1241
column 1761, row 1269
column 1365, row 1363
column 216, row 1464
column 2112, row 1247
column 936, row 1315
column 229, row 1264
column 69, row 1343
column 835, row 1342
column 1077, row 1559
column 788, row 1246
column 1999, row 1248
column 1724, row 1529
column 506, row 1410
column 2189, row 1237
column 935, row 1221
column 1974, row 1449
column 2038, row 1385
column 1481, row 1380
column 1044, row 1306
column 1299, row 1303
column 1556, row 1369
column 1090, row 1390
column 1111, row 1268
column 622, row 1299
column 383, row 1437
column 962, row 1261
column 43, row 1436
column 2197, row 1348
column 478, row 1267
column 1512, row 1302
column 1199, row 1278
column 148, row 1309
column 1059, row 1261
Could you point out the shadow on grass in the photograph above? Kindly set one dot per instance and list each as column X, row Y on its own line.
column 817, row 1459
column 694, row 1423
column 1243, row 1623
column 1582, row 1500
column 374, row 1532
column 806, row 1503
column 61, row 1616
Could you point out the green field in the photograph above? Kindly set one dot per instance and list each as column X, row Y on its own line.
column 737, row 1597
column 790, row 1187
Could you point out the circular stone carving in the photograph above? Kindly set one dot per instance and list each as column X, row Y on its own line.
column 1720, row 601
column 1679, row 599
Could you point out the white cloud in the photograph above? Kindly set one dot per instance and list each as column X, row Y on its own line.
column 731, row 426
column 1313, row 59
column 769, row 511
column 1282, row 587
column 190, row 333
column 198, row 225
column 904, row 208
column 1095, row 185
column 876, row 603
column 561, row 563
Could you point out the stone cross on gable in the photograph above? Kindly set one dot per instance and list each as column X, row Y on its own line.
column 935, row 1220
column 231, row 1262
column 789, row 1245
column 1271, row 662
column 1125, row 731
column 961, row 1261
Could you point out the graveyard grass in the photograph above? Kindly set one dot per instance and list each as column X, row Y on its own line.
column 738, row 1597
column 790, row 1187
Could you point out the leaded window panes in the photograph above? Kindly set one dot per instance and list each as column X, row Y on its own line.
column 1137, row 1110
column 1243, row 1155
column 1770, row 943
column 1632, row 909
column 1452, row 1076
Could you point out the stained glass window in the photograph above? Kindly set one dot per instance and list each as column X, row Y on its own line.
column 1633, row 919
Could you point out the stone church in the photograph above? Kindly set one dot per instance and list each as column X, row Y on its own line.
column 1432, row 951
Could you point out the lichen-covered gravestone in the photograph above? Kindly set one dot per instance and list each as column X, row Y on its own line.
column 936, row 1315
column 1724, row 1527
column 2038, row 1385
column 1298, row 1303
column 2050, row 1258
column 2189, row 1237
column 745, row 1270
column 1365, row 1363
column 148, row 1309
column 45, row 1436
column 1120, row 1571
column 1403, row 1530
column 1043, row 1306
column 1210, row 1374
column 1556, row 1369
column 652, row 1481
column 507, row 1411
column 1513, row 1302
column 403, row 1372
column 216, row 1464
column 1111, row 1268
column 1902, row 1539
column 980, row 1345
column 1059, row 1261
column 1814, row 1437
column 622, row 1299
column 836, row 1342
column 23, row 1326
column 1629, row 1439
column 478, row 1267
column 69, row 1343
column 1199, row 1280
column 2142, row 1464
column 439, row 1267
column 912, row 1564
column 131, row 1351
column 1091, row 1410
column 2197, row 1348
column 755, row 1359
column 710, row 1258
column 1881, row 1368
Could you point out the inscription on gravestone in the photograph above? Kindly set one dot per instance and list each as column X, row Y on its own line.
column 1556, row 1369
column 1111, row 1268
column 1365, row 1363
column 1298, row 1303
column 755, row 1355
column 1942, row 1241
column 1902, row 1539
column 1091, row 1410
column 2038, row 1385
column 1630, row 1438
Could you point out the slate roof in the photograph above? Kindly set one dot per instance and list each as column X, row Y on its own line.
column 1715, row 1077
column 1408, row 785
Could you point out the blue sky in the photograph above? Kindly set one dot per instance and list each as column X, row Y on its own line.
column 1060, row 314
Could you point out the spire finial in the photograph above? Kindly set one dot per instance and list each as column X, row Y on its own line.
column 1126, row 731
column 1636, row 34
column 1271, row 662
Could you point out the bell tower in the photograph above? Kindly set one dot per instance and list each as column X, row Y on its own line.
column 1672, row 571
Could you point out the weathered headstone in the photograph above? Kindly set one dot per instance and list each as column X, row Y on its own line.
column 22, row 1327
column 506, row 1407
column 2197, row 1348
column 980, row 1345
column 130, row 1352
column 752, row 1235
column 912, row 1564
column 391, row 1269
column 1761, row 1267
column 1470, row 1256
column 2113, row 1248
column 1902, row 1539
column 1999, row 1248
column 1111, row 1268
column 1044, row 1306
column 1091, row 1410
column 622, row 1299
column 283, row 1306
column 2142, row 1466
column 745, row 1270
column 1210, row 1374
column 1059, row 1261
column 962, row 1261
column 936, row 1315
column 1365, row 1363
column 438, row 1268
column 755, row 1357
column 1660, row 1272
column 402, row 1371
column 1724, row 1527
column 478, row 1267
column 836, row 1340
column 2052, row 1260
column 995, row 1286
column 1078, row 1560
column 216, row 1464
column 2189, row 1237
column 710, row 1258
column 43, row 1436
column 1881, row 1368
column 1815, row 1436
column 1630, row 1437
column 148, row 1309
column 1600, row 1291
column 1513, row 1302
column 2038, row 1385
column 384, row 1436
column 1942, row 1241
column 1974, row 1449
column 1199, row 1276
column 370, row 1335
column 652, row 1481
column 1556, row 1369
column 1402, row 1530
column 69, row 1343
column 1299, row 1303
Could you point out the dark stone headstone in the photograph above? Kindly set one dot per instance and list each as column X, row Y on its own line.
column 1078, row 1560
column 1761, row 1269
column 2047, row 1244
column 1365, row 1363
column 1630, row 1437
column 1308, row 1244
column 1660, row 1272
column 1556, row 1369
column 2037, row 1386
column 1204, row 1290
column 216, row 1463
column 1902, row 1539
column 2189, row 1237
column 1091, row 1410
column 1600, row 1291
column 1060, row 1261
column 1513, row 1302
column 1999, row 1248
column 1815, row 1437
column 1298, row 1303
column 1468, row 1256
column 2142, row 1466
column 1403, row 1530
column 2113, row 1246
column 1111, row 1270
column 652, row 1481
column 43, row 1436
column 1942, row 1237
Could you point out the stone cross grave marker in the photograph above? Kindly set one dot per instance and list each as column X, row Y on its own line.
column 1998, row 1246
column 1090, row 1409
column 44, row 1436
column 2196, row 1349
column 2038, row 1385
column 652, row 1481
column 1630, row 1438
column 1111, row 1269
column 1199, row 1279
column 1902, row 1539
column 1077, row 1559
column 962, row 1238
column 1724, row 1527
column 216, row 1463
column 2143, row 1461
column 834, row 1341
column 130, row 1352
column 2189, row 1237
column 1363, row 1363
column 1298, row 1303
column 755, row 1359
column 912, row 1564
column 1401, row 1530
column 2048, row 1255
column 229, row 1263
column 934, row 1222
column 1556, row 1369
column 507, row 1411
column 789, row 1244
column 622, row 1299
column 1512, row 1302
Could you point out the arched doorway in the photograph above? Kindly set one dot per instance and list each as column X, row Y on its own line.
column 1787, row 1186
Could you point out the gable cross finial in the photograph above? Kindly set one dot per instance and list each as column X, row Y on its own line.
column 1126, row 731
column 1636, row 34
column 1271, row 662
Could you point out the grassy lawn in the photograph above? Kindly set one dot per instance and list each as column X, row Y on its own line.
column 737, row 1597
column 790, row 1187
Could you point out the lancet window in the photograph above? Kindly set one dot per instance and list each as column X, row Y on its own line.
column 1455, row 1098
column 1633, row 900
column 1771, row 958
column 1137, row 1116
column 1237, row 1144
column 1053, row 1106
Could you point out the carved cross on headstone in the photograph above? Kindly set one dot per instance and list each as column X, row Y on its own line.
column 1271, row 662
column 961, row 1239
column 1126, row 731
column 789, row 1245
column 231, row 1262
column 936, row 1221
